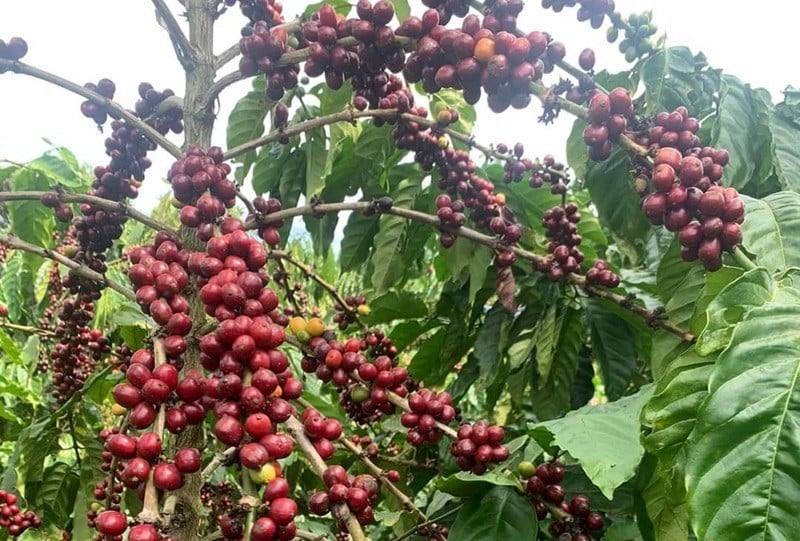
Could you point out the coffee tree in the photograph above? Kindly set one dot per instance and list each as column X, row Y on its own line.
column 503, row 346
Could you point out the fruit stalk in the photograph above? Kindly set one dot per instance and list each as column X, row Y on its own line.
column 341, row 511
column 150, row 507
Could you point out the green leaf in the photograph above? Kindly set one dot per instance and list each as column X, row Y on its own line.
column 401, row 9
column 357, row 239
column 741, row 469
column 553, row 398
column 316, row 160
column 785, row 158
column 502, row 513
column 771, row 230
column 672, row 411
column 12, row 290
column 603, row 438
column 752, row 289
column 741, row 126
column 663, row 496
column 546, row 334
column 395, row 305
column 673, row 77
column 440, row 352
column 246, row 122
column 57, row 493
column 341, row 6
column 610, row 185
column 388, row 256
column 30, row 220
column 465, row 484
column 614, row 346
column 491, row 342
column 468, row 261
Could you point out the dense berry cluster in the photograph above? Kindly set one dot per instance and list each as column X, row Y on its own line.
column 270, row 11
column 13, row 518
column 156, row 108
column 561, row 227
column 199, row 181
column 261, row 50
column 480, row 57
column 687, row 200
column 551, row 172
column 359, row 493
column 90, row 109
column 14, row 50
column 77, row 349
column 267, row 229
column 427, row 409
column 638, row 34
column 478, row 445
column 608, row 116
column 346, row 314
column 573, row 519
column 321, row 432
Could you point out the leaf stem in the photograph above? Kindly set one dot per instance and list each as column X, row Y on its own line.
column 741, row 258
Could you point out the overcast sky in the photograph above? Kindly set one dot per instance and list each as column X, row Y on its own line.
column 90, row 39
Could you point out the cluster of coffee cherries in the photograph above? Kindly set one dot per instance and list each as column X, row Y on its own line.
column 479, row 445
column 269, row 230
column 427, row 409
column 77, row 350
column 561, row 227
column 450, row 213
column 13, row 518
column 638, row 34
column 608, row 117
column 152, row 109
column 321, row 432
column 97, row 112
column 600, row 274
column 159, row 275
column 270, row 11
column 359, row 493
column 674, row 129
column 199, row 182
column 480, row 57
column 346, row 314
column 514, row 165
column 543, row 484
column 365, row 63
column 14, row 50
column 97, row 228
column 457, row 175
column 446, row 9
column 261, row 50
column 594, row 11
column 706, row 215
column 550, row 171
column 63, row 211
column 111, row 524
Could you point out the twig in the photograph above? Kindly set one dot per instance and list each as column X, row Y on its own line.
column 113, row 107
column 149, row 511
column 80, row 270
column 26, row 329
column 309, row 273
column 218, row 460
column 186, row 53
column 340, row 510
column 652, row 317
column 99, row 202
column 741, row 258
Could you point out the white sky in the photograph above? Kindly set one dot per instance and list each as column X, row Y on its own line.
column 76, row 41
